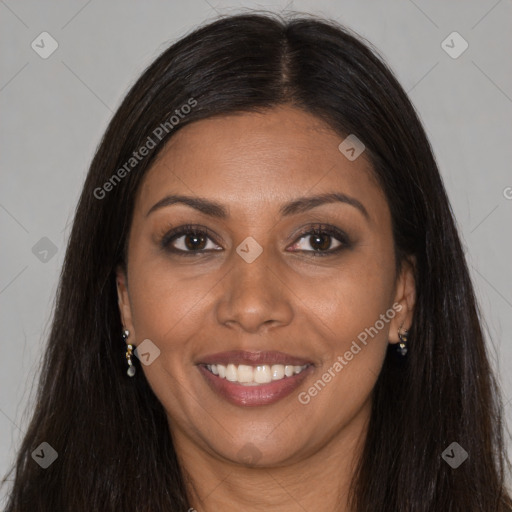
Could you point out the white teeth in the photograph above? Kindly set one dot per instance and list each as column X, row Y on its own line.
column 253, row 375
column 277, row 371
column 262, row 374
column 289, row 370
column 231, row 373
column 245, row 373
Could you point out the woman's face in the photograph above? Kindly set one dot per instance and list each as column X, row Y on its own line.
column 265, row 339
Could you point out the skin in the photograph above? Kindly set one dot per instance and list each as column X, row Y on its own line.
column 286, row 300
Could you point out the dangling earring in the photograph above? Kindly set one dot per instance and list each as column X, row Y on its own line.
column 129, row 349
column 402, row 349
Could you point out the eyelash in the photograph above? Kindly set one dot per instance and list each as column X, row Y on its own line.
column 319, row 229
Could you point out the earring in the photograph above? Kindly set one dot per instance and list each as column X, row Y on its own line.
column 129, row 350
column 402, row 349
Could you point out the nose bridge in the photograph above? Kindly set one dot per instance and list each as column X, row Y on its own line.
column 253, row 277
column 253, row 280
column 255, row 294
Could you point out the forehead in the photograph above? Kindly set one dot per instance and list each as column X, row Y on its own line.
column 250, row 161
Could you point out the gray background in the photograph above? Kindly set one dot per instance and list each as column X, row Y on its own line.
column 55, row 110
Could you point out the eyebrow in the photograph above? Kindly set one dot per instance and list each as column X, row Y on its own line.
column 299, row 205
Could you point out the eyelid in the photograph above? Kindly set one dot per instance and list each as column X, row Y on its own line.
column 328, row 229
column 184, row 229
column 332, row 231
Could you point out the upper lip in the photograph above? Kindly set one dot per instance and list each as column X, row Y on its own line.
column 253, row 358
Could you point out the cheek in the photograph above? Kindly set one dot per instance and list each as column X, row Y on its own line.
column 356, row 310
column 354, row 297
column 167, row 310
column 163, row 296
column 163, row 304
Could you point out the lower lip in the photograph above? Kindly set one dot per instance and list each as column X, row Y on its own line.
column 249, row 396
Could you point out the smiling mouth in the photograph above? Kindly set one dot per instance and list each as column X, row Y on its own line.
column 254, row 378
column 248, row 375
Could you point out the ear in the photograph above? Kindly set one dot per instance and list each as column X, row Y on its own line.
column 405, row 299
column 124, row 301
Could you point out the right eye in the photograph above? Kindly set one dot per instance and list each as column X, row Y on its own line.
column 192, row 240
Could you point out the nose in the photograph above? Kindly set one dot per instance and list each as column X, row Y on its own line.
column 255, row 297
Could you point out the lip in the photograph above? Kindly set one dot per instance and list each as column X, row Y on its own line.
column 253, row 358
column 250, row 396
column 262, row 394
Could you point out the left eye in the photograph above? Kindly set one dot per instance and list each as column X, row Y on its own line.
column 320, row 239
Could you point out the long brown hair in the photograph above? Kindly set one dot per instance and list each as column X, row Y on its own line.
column 114, row 449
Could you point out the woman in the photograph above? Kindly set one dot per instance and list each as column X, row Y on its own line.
column 264, row 302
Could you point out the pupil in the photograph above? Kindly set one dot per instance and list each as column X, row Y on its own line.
column 323, row 246
column 195, row 238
